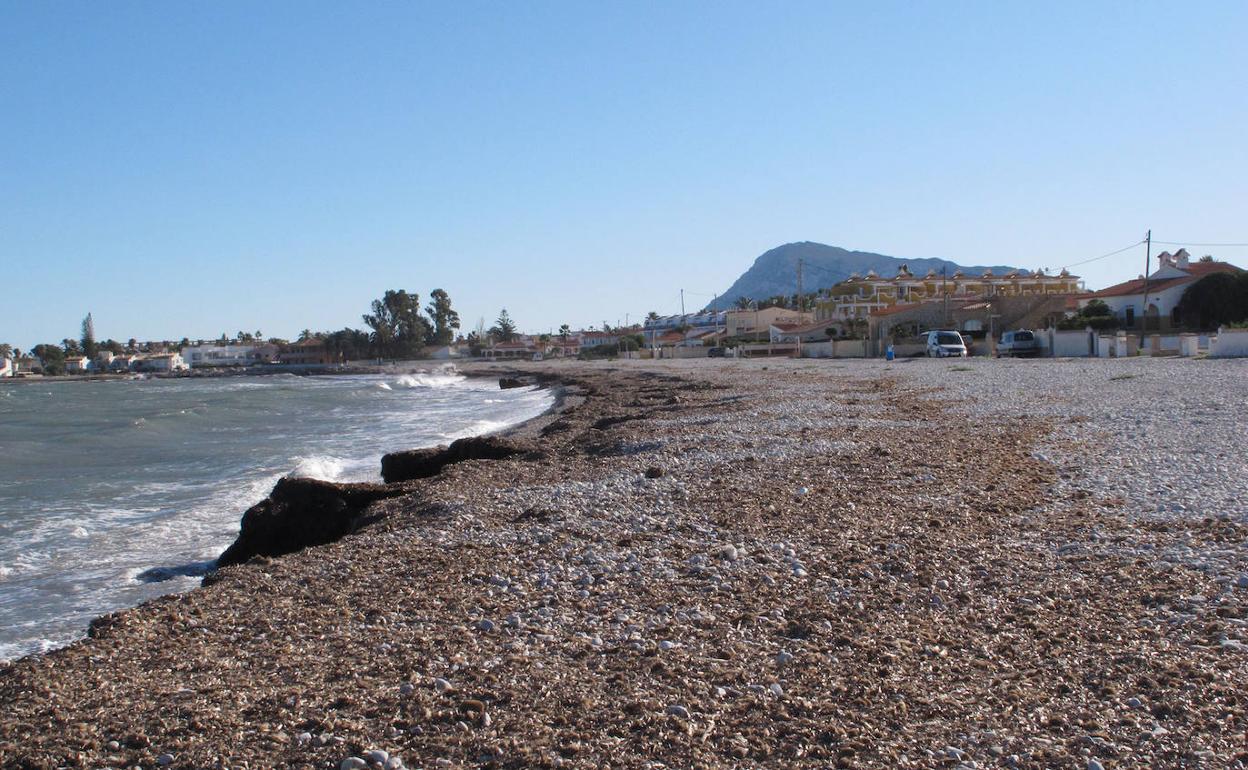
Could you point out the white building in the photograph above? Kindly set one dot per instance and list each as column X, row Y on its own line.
column 197, row 356
column 7, row 369
column 161, row 363
column 757, row 322
column 77, row 364
column 1165, row 287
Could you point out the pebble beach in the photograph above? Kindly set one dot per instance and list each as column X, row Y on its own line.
column 720, row 563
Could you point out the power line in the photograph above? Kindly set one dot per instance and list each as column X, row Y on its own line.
column 1103, row 256
column 1189, row 243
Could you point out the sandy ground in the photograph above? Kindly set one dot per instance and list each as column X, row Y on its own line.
column 712, row 564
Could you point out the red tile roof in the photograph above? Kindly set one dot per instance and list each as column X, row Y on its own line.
column 1194, row 270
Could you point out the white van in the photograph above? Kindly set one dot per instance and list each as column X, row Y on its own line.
column 943, row 344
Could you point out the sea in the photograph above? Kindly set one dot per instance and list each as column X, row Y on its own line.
column 115, row 492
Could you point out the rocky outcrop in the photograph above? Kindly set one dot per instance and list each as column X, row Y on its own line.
column 507, row 383
column 300, row 513
column 423, row 463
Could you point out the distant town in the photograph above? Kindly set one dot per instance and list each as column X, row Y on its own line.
column 1184, row 307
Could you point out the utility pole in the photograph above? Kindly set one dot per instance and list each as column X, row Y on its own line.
column 682, row 302
column 944, row 289
column 1148, row 251
column 801, row 301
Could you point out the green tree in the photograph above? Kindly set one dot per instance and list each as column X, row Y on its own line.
column 348, row 344
column 71, row 347
column 89, row 347
column 112, row 346
column 53, row 358
column 652, row 316
column 399, row 329
column 504, row 329
column 743, row 303
column 564, row 332
column 6, row 350
column 445, row 319
column 1215, row 300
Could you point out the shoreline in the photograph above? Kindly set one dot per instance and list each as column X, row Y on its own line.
column 163, row 567
column 775, row 563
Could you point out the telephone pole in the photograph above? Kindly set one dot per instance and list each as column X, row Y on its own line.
column 801, row 301
column 1148, row 251
column 682, row 302
column 944, row 289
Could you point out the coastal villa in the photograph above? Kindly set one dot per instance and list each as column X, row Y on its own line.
column 77, row 364
column 859, row 296
column 567, row 348
column 122, row 363
column 740, row 323
column 228, row 355
column 819, row 331
column 518, row 348
column 307, row 352
column 598, row 339
column 28, row 365
column 689, row 324
column 1165, row 287
column 161, row 363
column 7, row 367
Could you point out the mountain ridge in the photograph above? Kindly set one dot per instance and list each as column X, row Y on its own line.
column 775, row 270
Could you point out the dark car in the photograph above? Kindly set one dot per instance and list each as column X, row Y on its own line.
column 715, row 353
column 1022, row 342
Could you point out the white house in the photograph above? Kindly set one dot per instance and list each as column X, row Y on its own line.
column 161, row 363
column 7, row 369
column 1165, row 287
column 77, row 364
column 757, row 322
column 197, row 356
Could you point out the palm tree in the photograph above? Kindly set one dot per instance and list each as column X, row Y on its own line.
column 564, row 331
column 743, row 303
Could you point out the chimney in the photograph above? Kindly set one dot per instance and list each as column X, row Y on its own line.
column 1181, row 259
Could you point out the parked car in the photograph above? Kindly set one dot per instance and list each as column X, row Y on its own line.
column 715, row 353
column 1022, row 342
column 944, row 343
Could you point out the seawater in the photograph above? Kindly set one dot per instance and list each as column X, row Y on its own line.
column 114, row 492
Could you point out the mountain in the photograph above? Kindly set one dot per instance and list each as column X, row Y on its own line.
column 775, row 271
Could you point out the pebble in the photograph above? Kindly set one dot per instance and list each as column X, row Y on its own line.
column 164, row 760
column 776, row 689
column 378, row 756
column 407, row 688
column 353, row 763
column 303, row 738
column 784, row 658
column 678, row 711
column 443, row 685
column 1094, row 765
column 485, row 625
column 803, row 491
column 667, row 645
column 1242, row 580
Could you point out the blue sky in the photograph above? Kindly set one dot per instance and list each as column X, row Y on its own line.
column 198, row 168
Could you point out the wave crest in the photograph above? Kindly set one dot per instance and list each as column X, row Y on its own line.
column 323, row 467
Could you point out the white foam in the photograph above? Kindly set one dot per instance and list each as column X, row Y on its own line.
column 384, row 386
column 323, row 467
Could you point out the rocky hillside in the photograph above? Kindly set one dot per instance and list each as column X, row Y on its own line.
column 775, row 272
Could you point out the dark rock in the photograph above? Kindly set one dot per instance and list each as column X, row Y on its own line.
column 507, row 383
column 654, row 472
column 423, row 463
column 300, row 513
